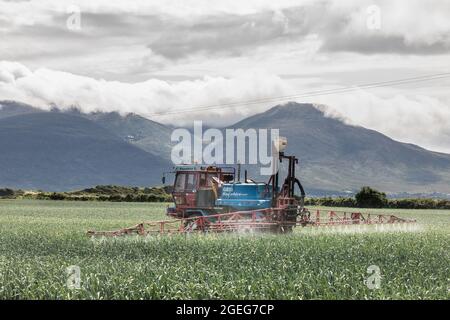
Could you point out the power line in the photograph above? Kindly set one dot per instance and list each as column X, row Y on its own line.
column 308, row 94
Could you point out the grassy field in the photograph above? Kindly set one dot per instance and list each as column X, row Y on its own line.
column 40, row 239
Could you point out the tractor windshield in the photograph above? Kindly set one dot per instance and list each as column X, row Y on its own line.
column 185, row 182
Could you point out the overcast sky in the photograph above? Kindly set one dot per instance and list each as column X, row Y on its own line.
column 150, row 57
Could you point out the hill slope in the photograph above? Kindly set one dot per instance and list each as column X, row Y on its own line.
column 13, row 108
column 148, row 135
column 336, row 156
column 57, row 151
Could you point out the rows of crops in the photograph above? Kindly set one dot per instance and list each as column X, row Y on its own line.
column 40, row 239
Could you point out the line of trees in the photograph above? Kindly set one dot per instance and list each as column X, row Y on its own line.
column 99, row 193
column 371, row 198
column 366, row 198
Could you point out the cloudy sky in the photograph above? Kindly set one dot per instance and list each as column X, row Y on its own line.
column 153, row 57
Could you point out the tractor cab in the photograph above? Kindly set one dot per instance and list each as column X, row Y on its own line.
column 195, row 189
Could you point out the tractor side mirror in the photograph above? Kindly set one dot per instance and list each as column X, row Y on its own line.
column 163, row 179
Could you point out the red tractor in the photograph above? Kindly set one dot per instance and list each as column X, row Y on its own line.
column 213, row 193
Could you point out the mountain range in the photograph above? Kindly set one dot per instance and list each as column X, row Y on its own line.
column 57, row 151
column 65, row 150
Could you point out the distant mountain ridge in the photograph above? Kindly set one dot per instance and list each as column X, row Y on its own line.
column 55, row 151
column 335, row 158
column 13, row 108
column 134, row 129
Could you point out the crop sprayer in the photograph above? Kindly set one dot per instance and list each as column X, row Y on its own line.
column 213, row 199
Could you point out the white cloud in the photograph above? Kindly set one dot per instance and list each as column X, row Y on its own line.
column 418, row 22
column 10, row 71
column 44, row 87
column 111, row 27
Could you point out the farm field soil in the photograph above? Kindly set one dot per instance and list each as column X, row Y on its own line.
column 40, row 239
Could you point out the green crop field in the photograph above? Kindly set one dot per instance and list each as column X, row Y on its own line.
column 40, row 239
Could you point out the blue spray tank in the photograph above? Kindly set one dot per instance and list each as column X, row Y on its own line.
column 245, row 196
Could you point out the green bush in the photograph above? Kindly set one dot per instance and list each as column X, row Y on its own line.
column 57, row 196
column 370, row 198
column 331, row 202
column 7, row 193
